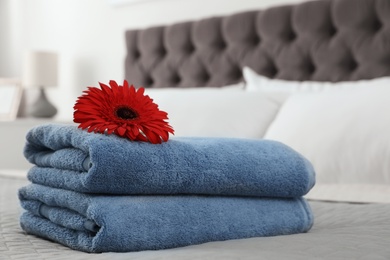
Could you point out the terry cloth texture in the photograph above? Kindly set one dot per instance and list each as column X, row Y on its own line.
column 69, row 158
column 101, row 223
column 99, row 193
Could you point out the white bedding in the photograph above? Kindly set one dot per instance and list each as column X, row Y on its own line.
column 342, row 128
column 216, row 112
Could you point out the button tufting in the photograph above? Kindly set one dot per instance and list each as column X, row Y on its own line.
column 149, row 81
column 353, row 65
column 163, row 52
column 222, row 45
column 285, row 46
column 237, row 73
column 377, row 25
column 256, row 40
column 310, row 67
column 176, row 79
column 332, row 31
column 272, row 71
column 292, row 36
column 136, row 54
column 190, row 48
column 206, row 77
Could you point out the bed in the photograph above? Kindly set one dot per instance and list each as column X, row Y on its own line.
column 316, row 78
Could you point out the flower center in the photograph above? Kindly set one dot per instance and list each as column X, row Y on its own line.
column 126, row 113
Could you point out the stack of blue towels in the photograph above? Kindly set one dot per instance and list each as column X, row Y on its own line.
column 99, row 193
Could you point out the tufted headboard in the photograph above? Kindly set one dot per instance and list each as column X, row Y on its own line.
column 324, row 40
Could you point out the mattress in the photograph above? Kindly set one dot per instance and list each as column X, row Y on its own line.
column 340, row 231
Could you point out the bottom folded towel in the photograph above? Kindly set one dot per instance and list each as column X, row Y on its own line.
column 102, row 223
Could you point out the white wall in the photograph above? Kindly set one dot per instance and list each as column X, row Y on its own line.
column 4, row 35
column 89, row 35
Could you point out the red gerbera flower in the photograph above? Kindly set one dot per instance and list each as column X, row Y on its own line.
column 122, row 110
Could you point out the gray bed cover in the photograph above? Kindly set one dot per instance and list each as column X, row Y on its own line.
column 341, row 231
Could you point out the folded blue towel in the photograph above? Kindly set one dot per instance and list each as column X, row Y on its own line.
column 102, row 223
column 69, row 158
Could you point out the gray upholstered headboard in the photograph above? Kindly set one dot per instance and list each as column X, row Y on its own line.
column 324, row 40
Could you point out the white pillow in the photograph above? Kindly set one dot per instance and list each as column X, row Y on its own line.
column 216, row 112
column 256, row 82
column 345, row 133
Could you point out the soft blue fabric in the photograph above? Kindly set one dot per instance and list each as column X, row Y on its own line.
column 101, row 223
column 72, row 159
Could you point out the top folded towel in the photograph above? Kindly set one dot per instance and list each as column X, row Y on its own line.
column 69, row 158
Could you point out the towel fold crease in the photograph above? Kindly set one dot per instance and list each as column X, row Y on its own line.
column 101, row 223
column 98, row 193
column 69, row 158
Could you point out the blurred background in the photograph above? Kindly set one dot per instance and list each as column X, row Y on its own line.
column 79, row 43
column 88, row 36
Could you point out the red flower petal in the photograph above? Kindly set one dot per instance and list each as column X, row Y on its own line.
column 122, row 110
column 121, row 131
